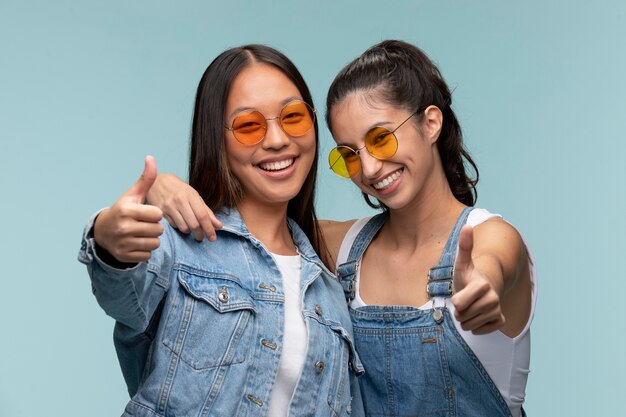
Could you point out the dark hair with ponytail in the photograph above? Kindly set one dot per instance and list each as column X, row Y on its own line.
column 402, row 75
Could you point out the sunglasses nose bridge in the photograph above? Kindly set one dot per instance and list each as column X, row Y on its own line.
column 274, row 137
column 370, row 165
column 278, row 122
column 358, row 150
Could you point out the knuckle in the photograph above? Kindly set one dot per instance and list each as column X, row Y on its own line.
column 484, row 286
column 194, row 225
column 177, row 200
column 121, row 229
column 124, row 210
column 492, row 301
column 168, row 206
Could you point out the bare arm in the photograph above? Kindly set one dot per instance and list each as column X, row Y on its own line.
column 333, row 233
column 492, row 280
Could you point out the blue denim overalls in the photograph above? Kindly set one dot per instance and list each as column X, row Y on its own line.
column 416, row 363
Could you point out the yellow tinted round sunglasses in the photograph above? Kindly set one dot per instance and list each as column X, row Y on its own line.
column 380, row 142
column 296, row 119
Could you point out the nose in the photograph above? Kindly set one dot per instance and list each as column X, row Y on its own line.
column 275, row 136
column 370, row 166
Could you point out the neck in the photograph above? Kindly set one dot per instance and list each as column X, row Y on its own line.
column 268, row 223
column 427, row 219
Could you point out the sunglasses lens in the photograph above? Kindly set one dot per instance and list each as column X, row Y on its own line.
column 344, row 161
column 381, row 143
column 249, row 128
column 297, row 118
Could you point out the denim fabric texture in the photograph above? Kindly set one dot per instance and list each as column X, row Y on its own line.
column 416, row 362
column 199, row 327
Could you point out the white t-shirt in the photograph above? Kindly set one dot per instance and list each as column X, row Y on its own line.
column 505, row 359
column 294, row 338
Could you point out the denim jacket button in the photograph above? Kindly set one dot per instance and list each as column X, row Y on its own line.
column 268, row 344
column 319, row 311
column 223, row 295
column 255, row 400
column 319, row 367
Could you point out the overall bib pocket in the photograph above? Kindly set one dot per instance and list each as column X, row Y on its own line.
column 208, row 318
column 403, row 347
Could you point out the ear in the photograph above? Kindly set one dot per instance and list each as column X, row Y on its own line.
column 431, row 123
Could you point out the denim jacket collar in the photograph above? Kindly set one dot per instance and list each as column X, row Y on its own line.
column 233, row 222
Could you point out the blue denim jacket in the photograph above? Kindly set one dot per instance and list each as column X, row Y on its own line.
column 199, row 327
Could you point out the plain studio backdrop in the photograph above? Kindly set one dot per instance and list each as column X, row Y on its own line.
column 88, row 88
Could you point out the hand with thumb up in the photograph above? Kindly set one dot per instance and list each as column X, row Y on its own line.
column 129, row 230
column 476, row 300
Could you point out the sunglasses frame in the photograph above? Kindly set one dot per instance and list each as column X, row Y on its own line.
column 309, row 107
column 357, row 152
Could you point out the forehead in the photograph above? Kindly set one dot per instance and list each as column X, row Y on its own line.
column 360, row 111
column 261, row 87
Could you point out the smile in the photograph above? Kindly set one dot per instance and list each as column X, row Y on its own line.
column 277, row 166
column 386, row 183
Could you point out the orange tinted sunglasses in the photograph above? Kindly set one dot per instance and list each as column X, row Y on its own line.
column 296, row 119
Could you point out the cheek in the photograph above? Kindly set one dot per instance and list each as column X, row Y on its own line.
column 237, row 154
column 238, row 162
column 308, row 147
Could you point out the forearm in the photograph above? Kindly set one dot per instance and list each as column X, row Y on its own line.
column 128, row 294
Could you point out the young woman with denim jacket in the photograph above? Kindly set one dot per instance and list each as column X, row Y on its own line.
column 253, row 323
column 441, row 310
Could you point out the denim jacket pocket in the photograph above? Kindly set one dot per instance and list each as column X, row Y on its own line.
column 209, row 317
column 346, row 365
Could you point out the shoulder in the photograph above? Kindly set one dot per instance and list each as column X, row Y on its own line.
column 333, row 233
column 497, row 234
column 497, row 239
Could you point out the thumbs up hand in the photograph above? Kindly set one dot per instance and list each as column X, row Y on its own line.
column 130, row 230
column 476, row 301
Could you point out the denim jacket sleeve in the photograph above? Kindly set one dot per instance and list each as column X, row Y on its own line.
column 132, row 295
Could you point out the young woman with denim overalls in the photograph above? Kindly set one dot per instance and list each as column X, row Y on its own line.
column 441, row 294
column 252, row 324
column 440, row 331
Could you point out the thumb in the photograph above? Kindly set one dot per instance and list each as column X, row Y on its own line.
column 140, row 188
column 463, row 264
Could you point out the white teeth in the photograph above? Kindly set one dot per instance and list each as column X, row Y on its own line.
column 387, row 181
column 277, row 166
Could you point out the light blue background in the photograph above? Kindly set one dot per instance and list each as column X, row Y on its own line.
column 87, row 88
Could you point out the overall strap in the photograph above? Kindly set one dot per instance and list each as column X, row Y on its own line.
column 440, row 276
column 346, row 272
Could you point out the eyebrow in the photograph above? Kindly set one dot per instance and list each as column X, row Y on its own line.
column 247, row 108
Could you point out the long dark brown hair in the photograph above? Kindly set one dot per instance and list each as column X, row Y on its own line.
column 404, row 76
column 209, row 172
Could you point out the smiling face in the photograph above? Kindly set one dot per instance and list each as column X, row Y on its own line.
column 414, row 169
column 272, row 171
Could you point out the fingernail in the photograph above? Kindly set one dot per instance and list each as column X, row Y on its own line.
column 212, row 238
